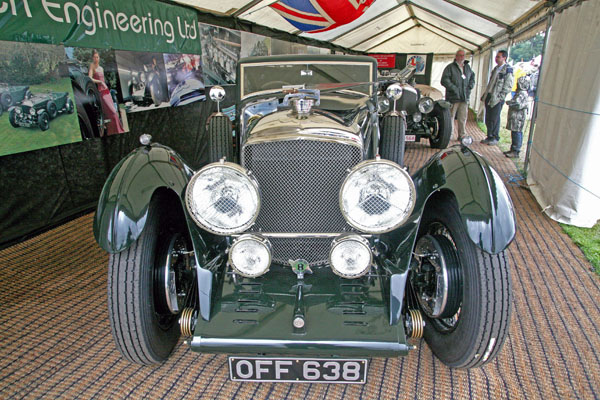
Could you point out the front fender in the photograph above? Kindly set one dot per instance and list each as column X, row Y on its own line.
column 483, row 201
column 123, row 204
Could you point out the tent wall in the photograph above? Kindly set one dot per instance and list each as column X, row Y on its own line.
column 564, row 165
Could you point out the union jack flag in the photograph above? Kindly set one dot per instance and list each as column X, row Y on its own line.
column 314, row 16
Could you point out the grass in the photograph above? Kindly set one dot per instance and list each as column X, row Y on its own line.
column 63, row 129
column 587, row 239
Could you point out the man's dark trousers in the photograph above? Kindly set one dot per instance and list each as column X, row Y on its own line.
column 492, row 120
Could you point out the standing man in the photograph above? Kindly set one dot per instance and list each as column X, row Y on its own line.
column 458, row 79
column 493, row 97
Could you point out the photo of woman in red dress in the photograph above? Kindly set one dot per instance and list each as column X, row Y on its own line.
column 96, row 73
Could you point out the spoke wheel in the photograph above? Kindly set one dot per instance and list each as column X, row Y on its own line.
column 467, row 328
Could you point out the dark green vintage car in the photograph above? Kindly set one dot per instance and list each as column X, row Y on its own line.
column 39, row 109
column 11, row 95
column 297, row 249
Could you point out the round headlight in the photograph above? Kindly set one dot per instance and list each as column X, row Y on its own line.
column 217, row 93
column 394, row 91
column 377, row 196
column 142, row 76
column 32, row 111
column 18, row 110
column 250, row 255
column 383, row 105
column 350, row 256
column 425, row 105
column 223, row 198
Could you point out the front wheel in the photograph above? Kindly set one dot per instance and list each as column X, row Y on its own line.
column 393, row 130
column 464, row 292
column 149, row 284
column 440, row 127
column 44, row 121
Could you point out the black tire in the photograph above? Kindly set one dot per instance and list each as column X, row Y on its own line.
column 6, row 100
column 474, row 335
column 43, row 121
column 52, row 110
column 12, row 118
column 145, row 331
column 220, row 138
column 441, row 129
column 393, row 130
column 92, row 103
column 85, row 126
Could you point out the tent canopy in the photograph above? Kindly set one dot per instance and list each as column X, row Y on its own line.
column 415, row 26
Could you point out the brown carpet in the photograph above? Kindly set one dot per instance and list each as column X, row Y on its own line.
column 55, row 339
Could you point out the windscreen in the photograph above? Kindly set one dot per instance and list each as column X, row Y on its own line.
column 264, row 77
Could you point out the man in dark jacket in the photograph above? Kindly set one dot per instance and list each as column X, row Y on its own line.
column 458, row 79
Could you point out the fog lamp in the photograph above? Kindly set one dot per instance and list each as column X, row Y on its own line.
column 383, row 106
column 417, row 117
column 350, row 256
column 250, row 255
column 32, row 111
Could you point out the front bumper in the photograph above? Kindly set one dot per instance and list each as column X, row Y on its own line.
column 342, row 317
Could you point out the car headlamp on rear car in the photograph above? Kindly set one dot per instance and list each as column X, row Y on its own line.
column 350, row 256
column 223, row 198
column 383, row 106
column 425, row 105
column 377, row 196
column 250, row 255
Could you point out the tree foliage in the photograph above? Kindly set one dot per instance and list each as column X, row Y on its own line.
column 30, row 63
column 527, row 49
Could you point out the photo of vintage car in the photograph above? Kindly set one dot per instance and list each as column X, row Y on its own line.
column 416, row 112
column 11, row 95
column 297, row 249
column 143, row 80
column 39, row 109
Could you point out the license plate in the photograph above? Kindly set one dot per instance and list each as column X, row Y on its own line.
column 410, row 138
column 325, row 370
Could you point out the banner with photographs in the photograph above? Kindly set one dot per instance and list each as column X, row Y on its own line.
column 37, row 104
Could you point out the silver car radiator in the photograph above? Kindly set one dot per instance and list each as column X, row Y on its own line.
column 300, row 182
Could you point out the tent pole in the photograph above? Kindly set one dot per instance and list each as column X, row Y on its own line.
column 537, row 90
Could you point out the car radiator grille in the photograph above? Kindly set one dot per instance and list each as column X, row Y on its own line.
column 300, row 182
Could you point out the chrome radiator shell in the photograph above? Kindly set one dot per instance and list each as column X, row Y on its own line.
column 300, row 169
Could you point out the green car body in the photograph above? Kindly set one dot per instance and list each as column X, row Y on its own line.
column 343, row 317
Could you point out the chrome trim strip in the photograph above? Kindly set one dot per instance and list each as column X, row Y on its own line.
column 302, row 235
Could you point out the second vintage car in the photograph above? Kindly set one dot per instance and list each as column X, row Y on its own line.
column 297, row 249
column 39, row 109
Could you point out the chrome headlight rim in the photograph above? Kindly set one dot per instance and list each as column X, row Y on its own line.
column 410, row 207
column 425, row 105
column 394, row 91
column 189, row 198
column 346, row 238
column 255, row 238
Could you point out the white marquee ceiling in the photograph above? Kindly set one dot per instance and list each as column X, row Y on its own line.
column 411, row 26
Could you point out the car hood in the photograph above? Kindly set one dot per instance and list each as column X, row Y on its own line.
column 319, row 125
